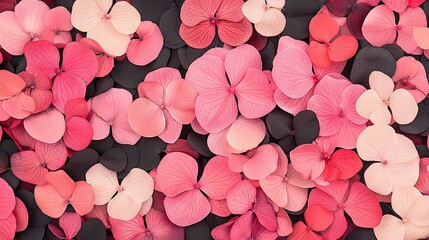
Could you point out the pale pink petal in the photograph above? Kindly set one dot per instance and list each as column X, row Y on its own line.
column 403, row 105
column 218, row 144
column 123, row 207
column 177, row 173
column 379, row 26
column 207, row 73
column 390, row 227
column 187, row 208
column 103, row 181
column 124, row 17
column 86, row 15
column 241, row 197
column 58, row 18
column 297, row 198
column 254, row 95
column 272, row 23
column 146, row 206
column 381, row 84
column 420, row 35
column 369, row 104
column 379, row 178
column 31, row 13
column 146, row 118
column 292, row 105
column 274, row 187
column 112, row 41
column 138, row 184
column 254, row 10
column 245, row 134
column 376, row 142
column 48, row 126
column 292, row 72
column 217, row 178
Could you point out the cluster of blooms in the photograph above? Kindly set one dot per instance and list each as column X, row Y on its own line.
column 220, row 119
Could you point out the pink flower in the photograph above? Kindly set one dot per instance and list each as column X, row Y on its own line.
column 58, row 26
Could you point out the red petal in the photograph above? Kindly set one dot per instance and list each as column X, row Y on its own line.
column 196, row 11
column 319, row 54
column 323, row 28
column 27, row 166
column 198, row 36
column 318, row 218
column 10, row 84
column 83, row 198
column 67, row 87
column 235, row 33
column 78, row 133
column 342, row 48
column 343, row 165
column 76, row 108
column 80, row 61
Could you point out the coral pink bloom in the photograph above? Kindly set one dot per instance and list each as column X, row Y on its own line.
column 245, row 199
column 286, row 187
column 185, row 203
column 32, row 166
column 257, row 164
column 78, row 68
column 420, row 35
column 105, row 61
column 296, row 76
column 48, row 126
column 374, row 103
column 266, row 15
column 69, row 226
column 166, row 102
column 394, row 154
column 219, row 80
column 147, row 46
column 200, row 20
column 38, row 86
column 379, row 27
column 155, row 226
column 60, row 191
column 110, row 110
column 243, row 134
column 334, row 103
column 110, row 26
column 423, row 182
column 355, row 199
column 14, row 102
column 317, row 219
column 7, row 205
column 134, row 190
column 319, row 160
column 411, row 75
column 326, row 45
column 409, row 204
column 58, row 26
column 24, row 25
column 78, row 132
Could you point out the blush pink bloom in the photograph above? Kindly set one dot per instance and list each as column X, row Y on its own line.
column 109, row 26
column 374, row 103
column 379, row 27
column 58, row 25
column 78, row 68
column 155, row 226
column 394, row 155
column 221, row 78
column 185, row 203
column 245, row 199
column 33, row 166
column 411, row 75
column 147, row 46
column 317, row 219
column 166, row 102
column 110, row 110
column 334, row 102
column 14, row 102
column 69, row 226
column 38, row 86
column 257, row 164
column 409, row 204
column 327, row 45
column 295, row 75
column 266, row 15
column 318, row 160
column 243, row 134
column 26, row 24
column 355, row 199
column 200, row 19
column 285, row 186
column 60, row 191
column 134, row 190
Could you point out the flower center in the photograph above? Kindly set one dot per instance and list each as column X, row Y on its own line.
column 398, row 28
column 213, row 20
column 384, row 162
column 316, row 78
column 231, row 89
column 340, row 205
column 405, row 221
column 327, row 157
column 162, row 106
column 251, row 153
column 106, row 16
column 341, row 114
column 197, row 186
column 120, row 189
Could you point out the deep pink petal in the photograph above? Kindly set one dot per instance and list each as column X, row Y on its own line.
column 7, row 197
column 172, row 129
column 128, row 230
column 70, row 223
column 78, row 134
column 83, row 198
column 318, row 218
column 146, row 49
column 67, row 87
column 8, row 227
column 198, row 36
column 21, row 215
column 196, row 11
column 27, row 166
column 264, row 212
column 241, row 197
column 80, row 61
column 160, row 226
column 58, row 19
column 234, row 33
column 42, row 56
